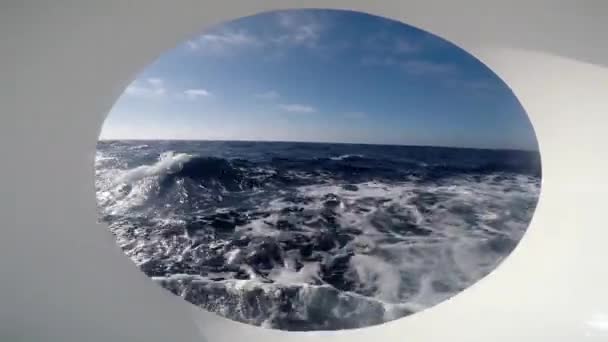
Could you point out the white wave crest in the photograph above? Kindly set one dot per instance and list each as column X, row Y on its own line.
column 168, row 162
column 344, row 156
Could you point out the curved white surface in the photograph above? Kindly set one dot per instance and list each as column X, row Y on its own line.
column 64, row 279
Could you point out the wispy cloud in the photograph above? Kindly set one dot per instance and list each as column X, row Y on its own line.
column 405, row 46
column 155, row 82
column 411, row 66
column 196, row 93
column 154, row 87
column 193, row 44
column 268, row 95
column 298, row 108
column 223, row 40
column 151, row 87
column 385, row 48
column 299, row 28
column 449, row 75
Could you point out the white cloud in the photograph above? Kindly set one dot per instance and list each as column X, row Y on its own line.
column 411, row 66
column 292, row 29
column 156, row 88
column 192, row 44
column 405, row 46
column 196, row 93
column 387, row 49
column 155, row 82
column 269, row 95
column 451, row 75
column 299, row 28
column 151, row 87
column 298, row 108
column 222, row 41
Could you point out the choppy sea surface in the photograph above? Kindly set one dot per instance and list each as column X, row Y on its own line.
column 314, row 236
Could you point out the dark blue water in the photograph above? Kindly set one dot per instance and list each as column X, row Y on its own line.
column 314, row 236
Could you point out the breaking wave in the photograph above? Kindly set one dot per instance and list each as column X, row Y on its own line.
column 314, row 237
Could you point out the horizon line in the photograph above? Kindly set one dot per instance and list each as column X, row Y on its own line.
column 324, row 142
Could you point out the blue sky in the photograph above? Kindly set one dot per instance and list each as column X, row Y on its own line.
column 320, row 75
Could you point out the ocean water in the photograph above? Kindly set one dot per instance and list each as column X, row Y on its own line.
column 314, row 236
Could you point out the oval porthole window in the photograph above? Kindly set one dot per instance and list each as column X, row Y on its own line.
column 317, row 170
